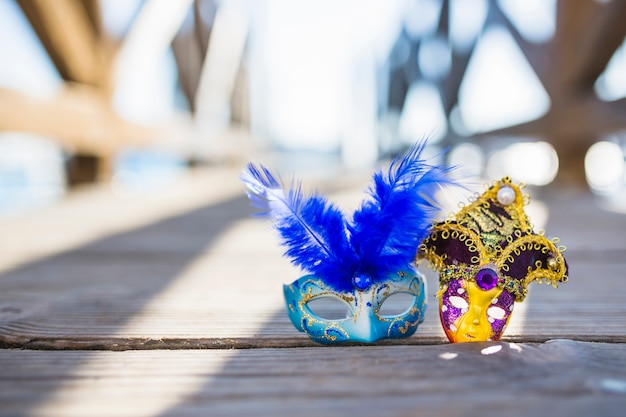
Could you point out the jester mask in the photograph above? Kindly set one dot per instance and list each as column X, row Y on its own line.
column 486, row 256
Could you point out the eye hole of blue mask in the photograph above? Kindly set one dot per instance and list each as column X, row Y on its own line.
column 397, row 304
column 329, row 308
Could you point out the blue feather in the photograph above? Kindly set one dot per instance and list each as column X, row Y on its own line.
column 383, row 236
column 388, row 228
column 313, row 230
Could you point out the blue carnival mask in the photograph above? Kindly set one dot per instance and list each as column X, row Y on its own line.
column 361, row 261
column 364, row 322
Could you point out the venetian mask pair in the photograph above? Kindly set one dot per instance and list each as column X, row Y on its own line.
column 486, row 255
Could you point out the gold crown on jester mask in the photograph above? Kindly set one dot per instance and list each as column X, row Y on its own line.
column 491, row 242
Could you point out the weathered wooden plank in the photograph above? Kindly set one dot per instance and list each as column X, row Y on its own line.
column 212, row 277
column 101, row 317
column 558, row 378
column 111, row 209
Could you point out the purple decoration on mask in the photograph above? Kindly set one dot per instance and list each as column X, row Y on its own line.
column 450, row 314
column 505, row 302
column 486, row 279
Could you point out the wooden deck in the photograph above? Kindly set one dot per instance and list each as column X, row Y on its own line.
column 170, row 304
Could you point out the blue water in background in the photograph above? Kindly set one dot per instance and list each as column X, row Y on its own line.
column 146, row 171
column 32, row 172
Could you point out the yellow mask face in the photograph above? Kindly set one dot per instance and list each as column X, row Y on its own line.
column 468, row 313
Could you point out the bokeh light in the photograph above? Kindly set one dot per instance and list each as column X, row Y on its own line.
column 422, row 115
column 535, row 19
column 604, row 166
column 470, row 159
column 611, row 85
column 534, row 163
column 500, row 88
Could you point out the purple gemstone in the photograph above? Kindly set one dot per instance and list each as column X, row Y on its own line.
column 486, row 278
column 362, row 281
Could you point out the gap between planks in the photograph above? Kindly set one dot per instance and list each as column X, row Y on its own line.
column 124, row 344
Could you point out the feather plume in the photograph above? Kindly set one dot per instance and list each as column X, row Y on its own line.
column 312, row 229
column 388, row 228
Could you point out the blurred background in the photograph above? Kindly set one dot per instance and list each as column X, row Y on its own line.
column 137, row 93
